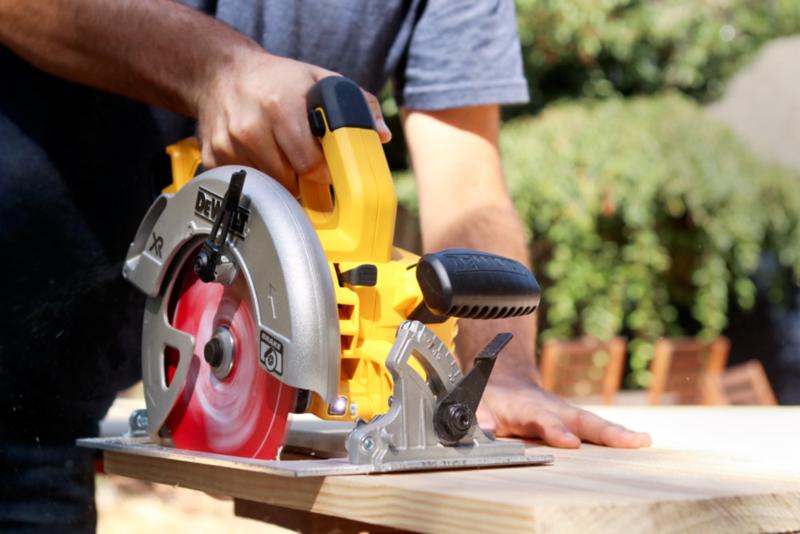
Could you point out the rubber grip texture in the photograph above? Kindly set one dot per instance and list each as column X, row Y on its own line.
column 476, row 285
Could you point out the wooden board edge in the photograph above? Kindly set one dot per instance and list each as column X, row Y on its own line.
column 356, row 500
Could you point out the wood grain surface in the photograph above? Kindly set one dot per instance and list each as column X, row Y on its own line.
column 728, row 469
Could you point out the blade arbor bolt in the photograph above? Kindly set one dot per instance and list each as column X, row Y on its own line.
column 213, row 352
column 218, row 352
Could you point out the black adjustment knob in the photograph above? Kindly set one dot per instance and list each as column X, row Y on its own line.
column 455, row 420
column 202, row 263
column 454, row 414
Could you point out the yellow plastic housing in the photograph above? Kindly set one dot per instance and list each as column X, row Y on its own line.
column 356, row 226
column 185, row 159
column 355, row 221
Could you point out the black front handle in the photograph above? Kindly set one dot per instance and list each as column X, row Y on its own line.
column 342, row 102
column 476, row 285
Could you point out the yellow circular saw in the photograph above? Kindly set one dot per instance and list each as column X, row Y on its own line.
column 261, row 304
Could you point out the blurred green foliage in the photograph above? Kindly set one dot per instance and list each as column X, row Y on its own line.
column 599, row 48
column 647, row 217
column 642, row 211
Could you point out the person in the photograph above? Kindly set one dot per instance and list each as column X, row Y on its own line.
column 77, row 139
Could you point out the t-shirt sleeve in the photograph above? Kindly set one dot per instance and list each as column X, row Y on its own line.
column 463, row 53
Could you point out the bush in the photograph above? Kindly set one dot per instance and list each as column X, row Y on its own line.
column 606, row 47
column 646, row 215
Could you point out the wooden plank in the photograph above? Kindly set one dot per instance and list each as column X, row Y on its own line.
column 305, row 522
column 711, row 469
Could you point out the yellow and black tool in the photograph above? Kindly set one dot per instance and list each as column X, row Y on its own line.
column 261, row 304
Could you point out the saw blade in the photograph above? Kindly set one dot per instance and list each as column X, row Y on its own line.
column 243, row 414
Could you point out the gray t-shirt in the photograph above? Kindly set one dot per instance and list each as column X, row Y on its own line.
column 439, row 53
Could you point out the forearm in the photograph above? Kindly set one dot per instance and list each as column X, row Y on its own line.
column 495, row 228
column 464, row 203
column 156, row 51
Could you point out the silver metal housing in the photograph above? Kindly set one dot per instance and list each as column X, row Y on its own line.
column 404, row 437
column 280, row 256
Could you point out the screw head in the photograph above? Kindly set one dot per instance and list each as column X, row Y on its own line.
column 367, row 443
column 338, row 407
column 138, row 420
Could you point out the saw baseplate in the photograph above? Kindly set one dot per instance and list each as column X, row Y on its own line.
column 403, row 439
column 300, row 468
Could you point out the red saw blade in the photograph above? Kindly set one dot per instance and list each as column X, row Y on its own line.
column 243, row 414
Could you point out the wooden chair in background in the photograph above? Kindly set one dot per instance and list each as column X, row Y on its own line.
column 583, row 368
column 743, row 384
column 680, row 367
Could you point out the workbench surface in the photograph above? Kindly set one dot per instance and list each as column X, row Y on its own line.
column 710, row 469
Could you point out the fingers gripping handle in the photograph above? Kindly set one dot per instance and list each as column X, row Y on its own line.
column 355, row 217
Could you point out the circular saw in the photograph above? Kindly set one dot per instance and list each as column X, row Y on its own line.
column 261, row 304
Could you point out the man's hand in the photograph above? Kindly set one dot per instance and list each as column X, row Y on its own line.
column 464, row 203
column 523, row 409
column 250, row 104
column 254, row 113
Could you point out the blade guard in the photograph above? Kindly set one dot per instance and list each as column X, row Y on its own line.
column 279, row 254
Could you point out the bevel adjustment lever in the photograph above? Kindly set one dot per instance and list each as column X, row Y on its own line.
column 206, row 261
column 454, row 414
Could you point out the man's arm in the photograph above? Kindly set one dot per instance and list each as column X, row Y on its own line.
column 464, row 202
column 250, row 105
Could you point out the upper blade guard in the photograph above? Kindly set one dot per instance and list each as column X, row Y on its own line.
column 279, row 256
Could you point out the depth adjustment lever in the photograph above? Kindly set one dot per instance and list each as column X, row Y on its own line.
column 455, row 412
column 431, row 420
column 206, row 261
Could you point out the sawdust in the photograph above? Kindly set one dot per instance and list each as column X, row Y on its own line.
column 128, row 506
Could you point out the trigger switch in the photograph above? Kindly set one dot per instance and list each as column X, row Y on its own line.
column 317, row 122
